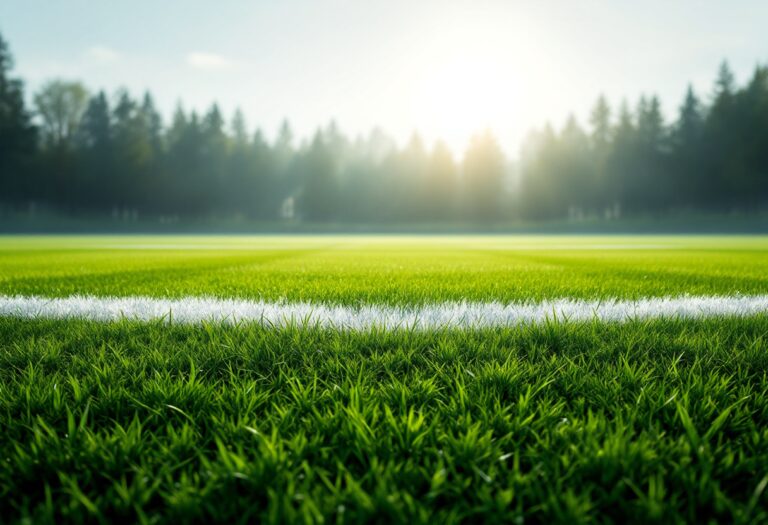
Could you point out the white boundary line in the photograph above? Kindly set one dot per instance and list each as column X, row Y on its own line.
column 192, row 310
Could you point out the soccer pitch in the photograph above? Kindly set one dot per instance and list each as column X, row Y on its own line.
column 384, row 378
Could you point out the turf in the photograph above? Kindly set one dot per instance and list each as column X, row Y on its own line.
column 659, row 421
column 381, row 269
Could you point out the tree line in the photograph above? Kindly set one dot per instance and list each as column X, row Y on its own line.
column 713, row 157
column 83, row 153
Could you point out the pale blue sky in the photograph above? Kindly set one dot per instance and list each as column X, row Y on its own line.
column 440, row 67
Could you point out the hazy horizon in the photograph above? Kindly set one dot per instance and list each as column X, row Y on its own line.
column 444, row 70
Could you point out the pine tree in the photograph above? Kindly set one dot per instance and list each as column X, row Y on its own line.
column 600, row 119
column 319, row 199
column 442, row 181
column 720, row 142
column 686, row 152
column 578, row 186
column 238, row 194
column 153, row 125
column 214, row 157
column 724, row 84
column 267, row 197
column 95, row 139
column 622, row 180
column 17, row 137
column 483, row 178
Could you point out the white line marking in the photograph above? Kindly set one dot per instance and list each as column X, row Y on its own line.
column 193, row 310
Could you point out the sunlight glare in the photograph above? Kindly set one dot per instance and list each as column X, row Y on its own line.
column 464, row 93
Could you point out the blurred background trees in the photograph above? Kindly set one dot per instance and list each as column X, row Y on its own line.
column 18, row 138
column 85, row 153
column 711, row 158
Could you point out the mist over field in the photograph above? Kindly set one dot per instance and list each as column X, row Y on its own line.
column 79, row 152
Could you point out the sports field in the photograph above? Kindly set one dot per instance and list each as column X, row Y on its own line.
column 378, row 378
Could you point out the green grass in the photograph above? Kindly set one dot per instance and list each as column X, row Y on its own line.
column 643, row 422
column 394, row 270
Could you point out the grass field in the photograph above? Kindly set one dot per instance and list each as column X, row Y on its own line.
column 393, row 270
column 660, row 420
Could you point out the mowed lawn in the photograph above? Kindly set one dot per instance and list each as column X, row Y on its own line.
column 384, row 269
column 640, row 422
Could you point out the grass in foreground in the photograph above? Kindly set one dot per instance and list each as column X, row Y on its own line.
column 642, row 422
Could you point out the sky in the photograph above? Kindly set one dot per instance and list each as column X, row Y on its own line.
column 445, row 69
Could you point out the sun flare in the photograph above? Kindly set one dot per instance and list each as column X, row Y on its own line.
column 464, row 93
